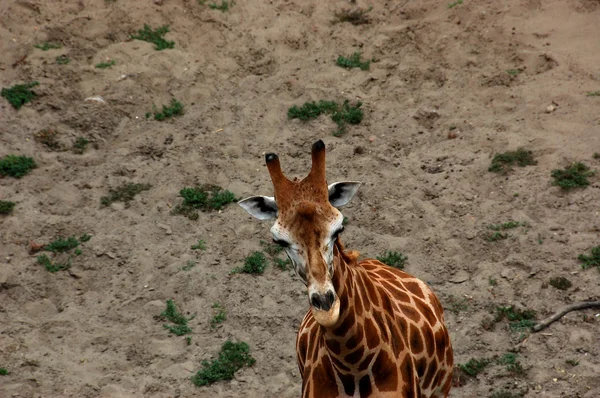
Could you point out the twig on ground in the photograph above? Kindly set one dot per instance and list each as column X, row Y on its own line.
column 577, row 306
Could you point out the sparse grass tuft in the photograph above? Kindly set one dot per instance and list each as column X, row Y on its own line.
column 84, row 238
column 223, row 7
column 495, row 236
column 512, row 364
column 357, row 16
column 519, row 320
column 3, row 372
column 341, row 115
column 219, row 317
column 274, row 250
column 62, row 60
column 561, row 283
column 189, row 265
column 507, row 225
column 513, row 72
column 596, row 155
column 572, row 362
column 155, row 37
column 502, row 162
column 474, row 366
column 61, row 245
column 455, row 3
column 80, row 144
column 52, row 266
column 6, row 207
column 124, row 193
column 174, row 109
column 492, row 281
column 593, row 93
column 232, row 357
column 47, row 137
column 104, row 65
column 253, row 264
column 353, row 61
column 201, row 245
column 16, row 166
column 393, row 259
column 19, row 94
column 457, row 305
column 205, row 198
column 593, row 260
column 48, row 46
column 574, row 176
column 172, row 315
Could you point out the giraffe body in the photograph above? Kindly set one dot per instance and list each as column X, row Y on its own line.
column 371, row 330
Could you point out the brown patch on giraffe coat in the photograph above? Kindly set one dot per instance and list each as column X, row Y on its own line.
column 348, row 382
column 339, row 364
column 381, row 324
column 439, row 310
column 358, row 306
column 324, row 379
column 425, row 311
column 449, row 357
column 385, row 372
column 385, row 274
column 396, row 293
column 346, row 324
column 416, row 340
column 371, row 334
column 421, row 366
column 396, row 340
column 408, row 376
column 364, row 386
column 354, row 356
column 441, row 342
column 386, row 303
column 371, row 291
column 428, row 339
column 356, row 338
column 366, row 362
column 429, row 375
column 334, row 346
column 414, row 288
column 410, row 313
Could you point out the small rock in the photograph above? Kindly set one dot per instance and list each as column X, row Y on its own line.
column 508, row 273
column 111, row 255
column 550, row 109
column 460, row 277
column 167, row 228
column 372, row 138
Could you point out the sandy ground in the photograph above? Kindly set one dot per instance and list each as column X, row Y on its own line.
column 93, row 331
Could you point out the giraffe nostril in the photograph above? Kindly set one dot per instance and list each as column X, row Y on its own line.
column 315, row 302
column 329, row 298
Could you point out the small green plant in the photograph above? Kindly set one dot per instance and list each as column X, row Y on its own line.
column 281, row 263
column 189, row 265
column 519, row 320
column 84, row 238
column 16, row 166
column 154, row 36
column 52, row 266
column 205, row 198
column 172, row 315
column 80, row 145
column 62, row 60
column 456, row 305
column 232, row 357
column 513, row 72
column 357, row 16
column 48, row 46
column 502, row 162
column 593, row 260
column 47, row 137
column 199, row 246
column 3, row 372
column 254, row 264
column 6, row 207
column 78, row 252
column 345, row 221
column 507, row 225
column 572, row 362
column 573, row 176
column 274, row 250
column 61, row 245
column 593, row 93
column 393, row 259
column 19, row 94
column 512, row 364
column 561, row 283
column 342, row 115
column 219, row 316
column 596, row 155
column 492, row 281
column 104, row 65
column 223, row 7
column 353, row 61
column 124, row 193
column 455, row 3
column 474, row 366
column 174, row 109
column 495, row 236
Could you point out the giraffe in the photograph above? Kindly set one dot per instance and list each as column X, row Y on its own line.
column 371, row 330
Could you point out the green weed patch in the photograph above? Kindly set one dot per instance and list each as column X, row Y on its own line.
column 16, row 166
column 353, row 61
column 573, row 176
column 155, row 37
column 19, row 94
column 342, row 115
column 232, row 357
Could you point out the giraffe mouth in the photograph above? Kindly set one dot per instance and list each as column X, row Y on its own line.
column 329, row 317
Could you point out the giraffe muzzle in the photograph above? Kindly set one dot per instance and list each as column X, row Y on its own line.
column 322, row 302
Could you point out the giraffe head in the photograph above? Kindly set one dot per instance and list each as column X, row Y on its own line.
column 307, row 225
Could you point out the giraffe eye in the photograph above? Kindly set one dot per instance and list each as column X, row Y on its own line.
column 281, row 243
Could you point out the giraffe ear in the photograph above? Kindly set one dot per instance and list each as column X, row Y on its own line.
column 261, row 207
column 340, row 193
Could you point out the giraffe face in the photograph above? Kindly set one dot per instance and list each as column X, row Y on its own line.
column 307, row 225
